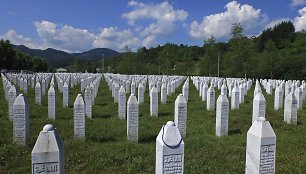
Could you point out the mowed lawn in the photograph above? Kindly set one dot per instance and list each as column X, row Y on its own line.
column 106, row 149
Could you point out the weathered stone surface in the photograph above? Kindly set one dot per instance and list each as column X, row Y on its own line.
column 88, row 100
column 51, row 103
column 222, row 112
column 261, row 148
column 21, row 131
column 122, row 103
column 169, row 150
column 79, row 117
column 132, row 119
column 180, row 114
column 48, row 152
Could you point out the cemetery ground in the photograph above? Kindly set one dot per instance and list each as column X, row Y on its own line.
column 106, row 149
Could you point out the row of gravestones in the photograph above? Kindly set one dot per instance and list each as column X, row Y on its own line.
column 18, row 106
column 21, row 110
column 130, row 110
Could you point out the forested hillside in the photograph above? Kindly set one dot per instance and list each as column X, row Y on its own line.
column 278, row 52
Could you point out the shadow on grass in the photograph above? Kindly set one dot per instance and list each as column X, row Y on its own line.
column 101, row 139
column 164, row 114
column 148, row 139
column 102, row 104
column 103, row 116
column 299, row 123
column 234, row 131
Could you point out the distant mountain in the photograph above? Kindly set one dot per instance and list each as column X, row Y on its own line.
column 57, row 58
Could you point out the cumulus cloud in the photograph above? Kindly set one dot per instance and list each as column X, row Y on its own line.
column 300, row 21
column 112, row 37
column 65, row 37
column 163, row 18
column 275, row 22
column 295, row 3
column 16, row 39
column 219, row 25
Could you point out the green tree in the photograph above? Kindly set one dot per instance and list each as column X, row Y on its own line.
column 7, row 55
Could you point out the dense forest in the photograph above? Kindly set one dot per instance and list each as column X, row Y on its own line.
column 11, row 59
column 278, row 52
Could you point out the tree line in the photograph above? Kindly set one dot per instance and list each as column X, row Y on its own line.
column 11, row 59
column 278, row 52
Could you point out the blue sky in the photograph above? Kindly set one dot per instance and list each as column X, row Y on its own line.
column 76, row 26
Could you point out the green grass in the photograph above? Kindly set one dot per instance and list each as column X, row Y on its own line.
column 106, row 149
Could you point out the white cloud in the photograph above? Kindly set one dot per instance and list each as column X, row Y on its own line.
column 300, row 21
column 295, row 3
column 219, row 25
column 112, row 37
column 16, row 39
column 149, row 41
column 275, row 22
column 65, row 37
column 162, row 16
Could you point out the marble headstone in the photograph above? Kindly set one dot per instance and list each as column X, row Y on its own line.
column 132, row 118
column 222, row 112
column 259, row 106
column 79, row 117
column 154, row 102
column 88, row 100
column 169, row 150
column 51, row 103
column 122, row 103
column 21, row 131
column 180, row 114
column 261, row 148
column 48, row 152
column 38, row 93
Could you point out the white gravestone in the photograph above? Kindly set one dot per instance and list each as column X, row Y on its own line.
column 204, row 92
column 25, row 85
column 290, row 109
column 132, row 118
column 12, row 94
column 65, row 95
column 185, row 91
column 169, row 150
column 133, row 88
column 51, row 103
column 21, row 123
column 224, row 89
column 140, row 93
column 259, row 106
column 43, row 87
column 116, row 91
column 163, row 94
column 88, row 102
column 79, row 117
column 169, row 88
column 299, row 97
column 38, row 93
column 154, row 102
column 278, row 98
column 261, row 148
column 180, row 114
column 241, row 93
column 222, row 112
column 235, row 98
column 210, row 104
column 122, row 103
column 48, row 152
